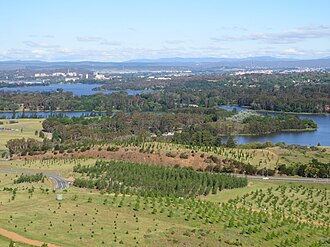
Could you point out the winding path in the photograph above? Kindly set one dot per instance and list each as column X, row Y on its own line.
column 60, row 183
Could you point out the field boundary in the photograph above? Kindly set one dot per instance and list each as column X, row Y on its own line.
column 19, row 238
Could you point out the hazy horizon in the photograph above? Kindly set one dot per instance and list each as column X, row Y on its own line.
column 128, row 30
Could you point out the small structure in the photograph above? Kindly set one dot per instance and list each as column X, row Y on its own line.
column 59, row 197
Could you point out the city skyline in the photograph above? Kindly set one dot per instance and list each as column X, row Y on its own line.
column 119, row 31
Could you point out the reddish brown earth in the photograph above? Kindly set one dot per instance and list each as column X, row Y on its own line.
column 194, row 160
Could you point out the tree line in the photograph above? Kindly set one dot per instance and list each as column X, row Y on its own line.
column 313, row 169
column 194, row 126
column 30, row 178
column 300, row 92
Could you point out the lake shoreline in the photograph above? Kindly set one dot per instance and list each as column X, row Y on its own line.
column 272, row 133
column 280, row 112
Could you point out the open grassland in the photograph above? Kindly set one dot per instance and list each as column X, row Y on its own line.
column 61, row 167
column 296, row 156
column 230, row 218
column 19, row 128
column 4, row 242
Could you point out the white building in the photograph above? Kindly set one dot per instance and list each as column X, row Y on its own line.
column 71, row 78
column 100, row 77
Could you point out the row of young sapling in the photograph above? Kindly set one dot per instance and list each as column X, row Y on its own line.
column 300, row 202
column 246, row 222
column 260, row 158
column 257, row 157
column 230, row 214
column 274, row 227
column 119, row 176
column 88, row 224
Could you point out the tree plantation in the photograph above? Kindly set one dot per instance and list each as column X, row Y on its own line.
column 125, row 177
column 275, row 215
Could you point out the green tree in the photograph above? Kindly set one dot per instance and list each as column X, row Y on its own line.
column 231, row 143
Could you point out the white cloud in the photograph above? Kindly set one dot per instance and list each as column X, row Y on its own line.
column 286, row 37
column 114, row 52
column 34, row 44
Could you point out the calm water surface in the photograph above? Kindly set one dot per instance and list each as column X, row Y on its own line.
column 321, row 135
column 76, row 89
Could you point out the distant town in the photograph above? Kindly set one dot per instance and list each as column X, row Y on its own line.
column 164, row 72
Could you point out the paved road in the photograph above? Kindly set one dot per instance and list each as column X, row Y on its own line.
column 60, row 183
column 289, row 179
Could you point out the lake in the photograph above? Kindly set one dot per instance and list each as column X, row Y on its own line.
column 321, row 135
column 76, row 88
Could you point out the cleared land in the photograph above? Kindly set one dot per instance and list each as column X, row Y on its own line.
column 196, row 157
column 19, row 128
column 88, row 217
column 296, row 214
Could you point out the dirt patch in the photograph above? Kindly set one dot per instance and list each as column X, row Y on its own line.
column 18, row 238
column 195, row 160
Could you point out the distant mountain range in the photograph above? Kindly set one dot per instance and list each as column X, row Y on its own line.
column 199, row 63
column 208, row 59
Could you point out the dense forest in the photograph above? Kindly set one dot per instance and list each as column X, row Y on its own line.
column 195, row 126
column 191, row 126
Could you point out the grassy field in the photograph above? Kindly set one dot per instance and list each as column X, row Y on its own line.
column 265, row 213
column 4, row 242
column 88, row 217
column 21, row 128
column 84, row 218
column 254, row 185
column 299, row 156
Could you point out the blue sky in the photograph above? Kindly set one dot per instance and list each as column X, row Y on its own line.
column 108, row 30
